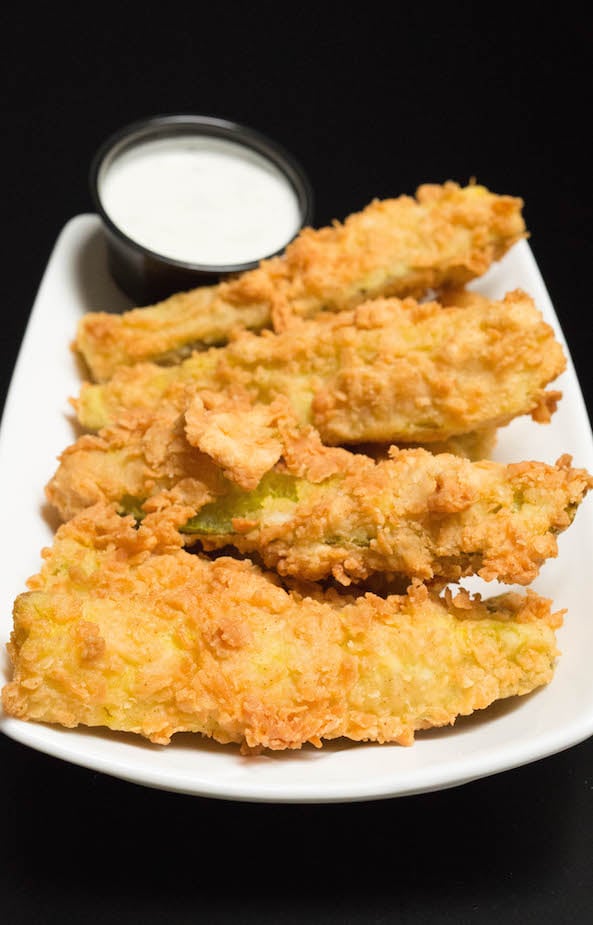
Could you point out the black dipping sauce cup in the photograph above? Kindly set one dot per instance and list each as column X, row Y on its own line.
column 147, row 276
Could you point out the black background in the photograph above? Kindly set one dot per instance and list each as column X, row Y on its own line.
column 373, row 99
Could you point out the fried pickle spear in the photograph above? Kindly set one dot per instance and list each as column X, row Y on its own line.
column 312, row 511
column 444, row 237
column 389, row 371
column 122, row 630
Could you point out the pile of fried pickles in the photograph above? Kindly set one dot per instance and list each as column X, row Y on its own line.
column 282, row 482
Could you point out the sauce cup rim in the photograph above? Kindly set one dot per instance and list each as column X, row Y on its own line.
column 170, row 125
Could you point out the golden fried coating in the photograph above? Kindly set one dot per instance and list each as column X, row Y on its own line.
column 477, row 444
column 320, row 510
column 121, row 630
column 444, row 237
column 417, row 514
column 390, row 371
column 142, row 456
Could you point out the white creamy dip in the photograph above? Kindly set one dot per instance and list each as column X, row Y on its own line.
column 201, row 200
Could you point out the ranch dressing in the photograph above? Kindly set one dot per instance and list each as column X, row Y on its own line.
column 201, row 200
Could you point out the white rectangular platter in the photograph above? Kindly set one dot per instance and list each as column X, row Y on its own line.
column 38, row 424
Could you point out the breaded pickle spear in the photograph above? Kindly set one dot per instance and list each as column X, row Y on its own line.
column 319, row 511
column 389, row 371
column 121, row 631
column 417, row 514
column 444, row 237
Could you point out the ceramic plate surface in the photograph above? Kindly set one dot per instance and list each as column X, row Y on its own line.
column 38, row 424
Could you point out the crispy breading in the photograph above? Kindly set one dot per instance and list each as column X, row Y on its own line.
column 120, row 630
column 418, row 514
column 477, row 444
column 143, row 455
column 324, row 511
column 444, row 237
column 390, row 371
column 241, row 438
